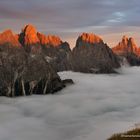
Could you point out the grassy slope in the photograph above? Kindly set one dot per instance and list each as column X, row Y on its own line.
column 123, row 136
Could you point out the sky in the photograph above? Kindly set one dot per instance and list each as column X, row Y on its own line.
column 111, row 19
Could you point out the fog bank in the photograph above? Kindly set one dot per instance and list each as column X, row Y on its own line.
column 95, row 107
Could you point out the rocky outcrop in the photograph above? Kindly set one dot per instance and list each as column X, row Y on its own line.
column 7, row 37
column 24, row 74
column 92, row 55
column 128, row 49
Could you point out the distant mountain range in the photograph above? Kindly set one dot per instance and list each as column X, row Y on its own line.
column 88, row 47
column 29, row 60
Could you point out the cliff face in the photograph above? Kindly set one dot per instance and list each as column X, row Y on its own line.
column 91, row 54
column 127, row 48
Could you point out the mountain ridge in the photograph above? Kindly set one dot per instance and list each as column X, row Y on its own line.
column 62, row 56
column 126, row 45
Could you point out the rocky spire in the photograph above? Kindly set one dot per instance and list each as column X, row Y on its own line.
column 125, row 40
column 28, row 35
column 125, row 46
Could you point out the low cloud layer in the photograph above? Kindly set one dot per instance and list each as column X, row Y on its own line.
column 95, row 107
column 67, row 17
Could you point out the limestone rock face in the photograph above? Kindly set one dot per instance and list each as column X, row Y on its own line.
column 91, row 55
column 127, row 48
column 24, row 74
column 7, row 37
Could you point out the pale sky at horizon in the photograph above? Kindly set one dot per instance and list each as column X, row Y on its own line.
column 110, row 19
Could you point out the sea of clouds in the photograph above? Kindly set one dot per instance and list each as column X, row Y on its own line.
column 94, row 108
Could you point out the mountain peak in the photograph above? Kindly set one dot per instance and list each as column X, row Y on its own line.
column 125, row 46
column 125, row 39
column 29, row 28
column 90, row 38
column 132, row 40
column 8, row 31
column 28, row 35
column 8, row 37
